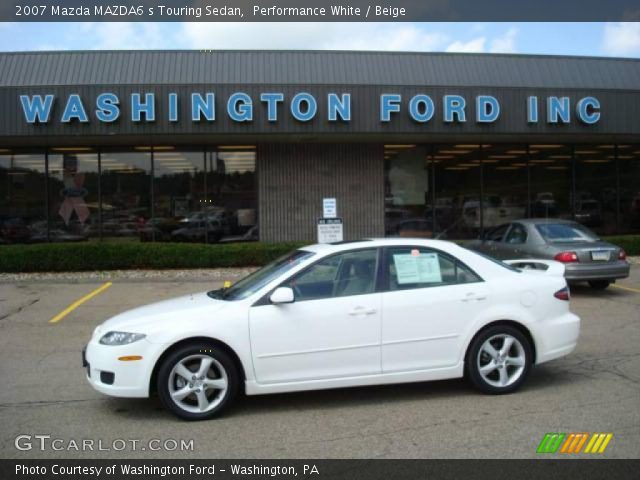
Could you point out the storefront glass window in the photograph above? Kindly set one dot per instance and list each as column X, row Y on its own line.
column 457, row 190
column 505, row 184
column 407, row 187
column 550, row 170
column 595, row 199
column 629, row 167
column 126, row 193
column 73, row 195
column 179, row 196
column 23, row 216
column 230, row 207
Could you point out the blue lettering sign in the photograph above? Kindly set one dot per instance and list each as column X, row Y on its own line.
column 200, row 107
column 74, row 110
column 558, row 109
column 487, row 109
column 173, row 107
column 389, row 103
column 107, row 107
column 421, row 108
column 310, row 109
column 138, row 107
column 454, row 106
column 36, row 109
column 272, row 100
column 532, row 109
column 588, row 110
column 240, row 107
column 339, row 106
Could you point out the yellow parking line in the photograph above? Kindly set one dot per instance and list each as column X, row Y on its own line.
column 636, row 290
column 77, row 303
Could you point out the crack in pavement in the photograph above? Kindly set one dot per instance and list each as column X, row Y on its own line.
column 19, row 309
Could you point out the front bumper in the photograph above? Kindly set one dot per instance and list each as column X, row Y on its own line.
column 130, row 378
column 597, row 271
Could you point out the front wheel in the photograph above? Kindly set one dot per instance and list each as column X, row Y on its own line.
column 499, row 360
column 197, row 381
column 599, row 284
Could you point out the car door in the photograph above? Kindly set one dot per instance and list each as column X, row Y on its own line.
column 515, row 242
column 331, row 330
column 494, row 244
column 428, row 300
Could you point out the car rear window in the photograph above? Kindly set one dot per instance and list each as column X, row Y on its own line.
column 565, row 232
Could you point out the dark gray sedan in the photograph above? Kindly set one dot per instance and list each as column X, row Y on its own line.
column 585, row 256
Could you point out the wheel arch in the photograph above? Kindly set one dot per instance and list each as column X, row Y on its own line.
column 185, row 341
column 512, row 323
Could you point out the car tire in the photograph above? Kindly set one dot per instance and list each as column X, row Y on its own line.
column 495, row 371
column 599, row 284
column 212, row 386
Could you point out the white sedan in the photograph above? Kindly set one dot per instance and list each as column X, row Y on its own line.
column 340, row 315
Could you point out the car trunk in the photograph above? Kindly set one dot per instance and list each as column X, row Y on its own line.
column 589, row 252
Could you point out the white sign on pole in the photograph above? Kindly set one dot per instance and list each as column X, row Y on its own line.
column 329, row 230
column 329, row 208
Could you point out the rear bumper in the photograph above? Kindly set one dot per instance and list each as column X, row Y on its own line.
column 604, row 271
column 557, row 337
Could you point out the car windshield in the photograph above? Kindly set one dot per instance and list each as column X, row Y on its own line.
column 566, row 232
column 258, row 279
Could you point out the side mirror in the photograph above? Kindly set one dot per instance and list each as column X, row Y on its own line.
column 282, row 295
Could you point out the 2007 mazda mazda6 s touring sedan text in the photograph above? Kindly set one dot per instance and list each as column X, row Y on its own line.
column 340, row 315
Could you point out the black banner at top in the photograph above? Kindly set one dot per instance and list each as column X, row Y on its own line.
column 319, row 10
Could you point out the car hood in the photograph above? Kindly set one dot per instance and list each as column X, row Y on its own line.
column 155, row 316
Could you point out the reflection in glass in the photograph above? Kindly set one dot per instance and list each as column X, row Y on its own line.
column 595, row 199
column 629, row 166
column 22, row 197
column 406, row 190
column 126, row 193
column 550, row 172
column 73, row 197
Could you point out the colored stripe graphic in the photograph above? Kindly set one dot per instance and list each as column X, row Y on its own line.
column 574, row 443
column 550, row 443
column 598, row 443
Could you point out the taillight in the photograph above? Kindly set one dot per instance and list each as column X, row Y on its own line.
column 562, row 294
column 566, row 257
column 622, row 255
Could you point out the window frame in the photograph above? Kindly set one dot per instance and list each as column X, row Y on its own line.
column 512, row 227
column 265, row 299
column 386, row 278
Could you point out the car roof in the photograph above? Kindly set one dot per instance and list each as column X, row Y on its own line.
column 536, row 221
column 375, row 243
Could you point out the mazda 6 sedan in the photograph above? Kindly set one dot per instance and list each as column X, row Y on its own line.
column 340, row 315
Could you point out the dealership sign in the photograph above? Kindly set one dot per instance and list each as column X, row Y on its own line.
column 240, row 107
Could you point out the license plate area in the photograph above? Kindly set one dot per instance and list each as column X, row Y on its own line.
column 85, row 364
column 600, row 256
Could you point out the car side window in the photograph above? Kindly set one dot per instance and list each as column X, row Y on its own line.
column 344, row 274
column 517, row 235
column 497, row 234
column 409, row 268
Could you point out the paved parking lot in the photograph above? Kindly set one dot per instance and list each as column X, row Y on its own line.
column 596, row 389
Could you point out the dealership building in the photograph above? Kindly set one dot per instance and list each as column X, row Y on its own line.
column 240, row 145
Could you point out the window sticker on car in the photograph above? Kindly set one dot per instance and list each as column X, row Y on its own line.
column 423, row 268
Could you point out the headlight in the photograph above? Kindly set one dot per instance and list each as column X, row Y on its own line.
column 120, row 338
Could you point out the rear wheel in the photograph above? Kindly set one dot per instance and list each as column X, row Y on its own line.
column 599, row 284
column 197, row 381
column 499, row 360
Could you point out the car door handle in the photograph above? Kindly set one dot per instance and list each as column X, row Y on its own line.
column 469, row 297
column 362, row 311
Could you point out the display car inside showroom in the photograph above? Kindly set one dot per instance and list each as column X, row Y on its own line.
column 201, row 146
